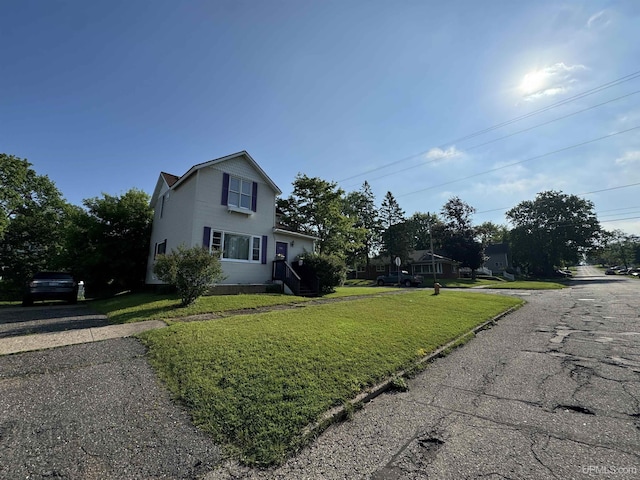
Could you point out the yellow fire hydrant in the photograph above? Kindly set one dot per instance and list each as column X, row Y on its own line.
column 436, row 288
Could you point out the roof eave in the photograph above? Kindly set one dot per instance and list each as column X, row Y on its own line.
column 294, row 234
column 209, row 163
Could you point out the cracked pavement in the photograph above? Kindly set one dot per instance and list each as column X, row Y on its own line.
column 552, row 391
column 94, row 411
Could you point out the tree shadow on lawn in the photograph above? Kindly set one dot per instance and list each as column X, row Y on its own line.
column 142, row 314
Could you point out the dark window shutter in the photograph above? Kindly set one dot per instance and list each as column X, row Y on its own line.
column 254, row 197
column 225, row 189
column 206, row 238
column 264, row 249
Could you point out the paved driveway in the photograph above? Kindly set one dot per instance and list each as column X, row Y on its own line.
column 46, row 318
column 94, row 411
column 90, row 411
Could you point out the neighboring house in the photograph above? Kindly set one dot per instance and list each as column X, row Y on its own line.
column 422, row 263
column 227, row 204
column 377, row 266
column 497, row 258
column 418, row 263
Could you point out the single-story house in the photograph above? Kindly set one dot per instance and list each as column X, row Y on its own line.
column 418, row 263
column 422, row 263
column 227, row 204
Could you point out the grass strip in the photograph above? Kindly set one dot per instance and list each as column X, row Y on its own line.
column 137, row 307
column 529, row 285
column 256, row 381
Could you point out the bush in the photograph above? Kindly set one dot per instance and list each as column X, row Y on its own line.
column 330, row 269
column 10, row 291
column 190, row 270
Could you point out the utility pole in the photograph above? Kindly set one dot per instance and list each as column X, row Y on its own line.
column 433, row 258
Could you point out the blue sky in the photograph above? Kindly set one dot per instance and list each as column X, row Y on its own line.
column 103, row 95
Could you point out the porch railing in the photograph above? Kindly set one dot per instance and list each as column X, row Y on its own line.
column 297, row 282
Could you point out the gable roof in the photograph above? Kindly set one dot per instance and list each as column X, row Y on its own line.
column 423, row 256
column 417, row 256
column 174, row 181
column 496, row 248
column 169, row 178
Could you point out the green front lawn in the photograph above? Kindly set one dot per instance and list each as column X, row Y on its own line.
column 256, row 381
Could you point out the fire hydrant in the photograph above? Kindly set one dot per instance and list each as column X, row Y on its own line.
column 436, row 288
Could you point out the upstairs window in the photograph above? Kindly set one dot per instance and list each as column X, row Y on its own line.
column 239, row 193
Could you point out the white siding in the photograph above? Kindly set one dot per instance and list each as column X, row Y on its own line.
column 300, row 245
column 175, row 223
column 209, row 212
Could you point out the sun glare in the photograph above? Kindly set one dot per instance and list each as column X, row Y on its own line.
column 533, row 81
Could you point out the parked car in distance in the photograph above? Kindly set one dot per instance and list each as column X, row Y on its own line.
column 51, row 286
column 563, row 273
column 405, row 279
column 610, row 271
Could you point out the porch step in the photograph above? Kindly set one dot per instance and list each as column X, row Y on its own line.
column 307, row 292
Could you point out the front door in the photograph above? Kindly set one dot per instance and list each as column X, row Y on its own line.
column 281, row 249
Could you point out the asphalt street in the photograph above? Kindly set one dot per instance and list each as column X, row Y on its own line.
column 552, row 391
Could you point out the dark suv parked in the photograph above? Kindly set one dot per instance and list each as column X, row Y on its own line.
column 51, row 286
column 404, row 279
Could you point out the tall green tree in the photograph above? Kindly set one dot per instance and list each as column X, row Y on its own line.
column 390, row 212
column 553, row 230
column 460, row 241
column 619, row 248
column 490, row 233
column 398, row 241
column 397, row 235
column 426, row 227
column 33, row 216
column 108, row 241
column 360, row 206
column 315, row 207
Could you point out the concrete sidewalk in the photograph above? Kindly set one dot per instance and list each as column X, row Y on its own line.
column 43, row 341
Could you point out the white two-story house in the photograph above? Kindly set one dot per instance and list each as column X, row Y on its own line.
column 227, row 204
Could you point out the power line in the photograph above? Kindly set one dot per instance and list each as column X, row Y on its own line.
column 612, row 188
column 619, row 219
column 578, row 194
column 537, row 157
column 616, row 214
column 447, row 155
column 618, row 209
column 586, row 93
